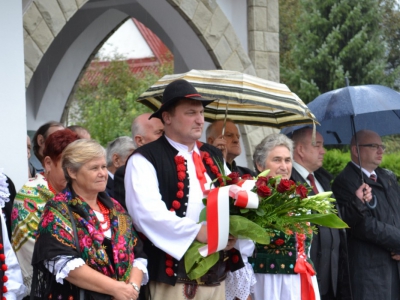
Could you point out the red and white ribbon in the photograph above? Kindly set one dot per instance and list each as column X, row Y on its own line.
column 218, row 213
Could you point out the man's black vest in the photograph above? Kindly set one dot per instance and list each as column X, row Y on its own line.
column 161, row 155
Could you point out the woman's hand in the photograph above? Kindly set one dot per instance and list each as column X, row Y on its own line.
column 125, row 291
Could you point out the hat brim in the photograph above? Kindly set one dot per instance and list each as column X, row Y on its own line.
column 165, row 106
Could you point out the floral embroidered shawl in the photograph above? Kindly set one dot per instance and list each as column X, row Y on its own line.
column 55, row 235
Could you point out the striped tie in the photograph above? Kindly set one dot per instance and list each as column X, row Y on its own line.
column 373, row 177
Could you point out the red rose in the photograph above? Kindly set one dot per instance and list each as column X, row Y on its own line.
column 247, row 177
column 261, row 181
column 302, row 191
column 285, row 185
column 234, row 176
column 181, row 176
column 279, row 242
column 235, row 258
column 169, row 272
column 180, row 186
column 264, row 191
column 169, row 263
column 179, row 159
column 179, row 194
column 5, row 278
column 176, row 204
column 214, row 169
column 181, row 168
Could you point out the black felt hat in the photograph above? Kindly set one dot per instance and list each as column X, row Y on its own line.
column 177, row 90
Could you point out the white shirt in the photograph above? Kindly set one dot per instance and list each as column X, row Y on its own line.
column 167, row 231
column 365, row 171
column 304, row 173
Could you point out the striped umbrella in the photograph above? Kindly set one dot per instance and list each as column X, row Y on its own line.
column 246, row 99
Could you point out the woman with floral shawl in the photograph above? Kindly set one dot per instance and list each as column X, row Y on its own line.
column 32, row 197
column 109, row 262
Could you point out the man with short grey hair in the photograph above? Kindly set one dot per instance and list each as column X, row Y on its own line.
column 117, row 153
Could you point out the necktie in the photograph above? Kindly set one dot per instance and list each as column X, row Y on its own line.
column 373, row 177
column 310, row 177
column 200, row 170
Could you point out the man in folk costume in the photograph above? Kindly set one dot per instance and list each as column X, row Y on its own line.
column 325, row 251
column 165, row 182
column 11, row 283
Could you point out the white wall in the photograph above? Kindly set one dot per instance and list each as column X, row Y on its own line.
column 13, row 156
column 236, row 12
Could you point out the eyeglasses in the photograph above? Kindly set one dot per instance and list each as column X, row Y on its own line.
column 375, row 146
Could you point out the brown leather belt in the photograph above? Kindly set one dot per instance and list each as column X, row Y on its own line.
column 213, row 277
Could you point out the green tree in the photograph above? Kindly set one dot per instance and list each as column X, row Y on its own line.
column 333, row 40
column 105, row 99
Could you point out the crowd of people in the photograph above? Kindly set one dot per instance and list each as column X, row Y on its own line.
column 115, row 223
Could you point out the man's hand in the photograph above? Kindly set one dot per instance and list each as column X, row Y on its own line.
column 364, row 193
column 220, row 143
column 231, row 242
column 202, row 234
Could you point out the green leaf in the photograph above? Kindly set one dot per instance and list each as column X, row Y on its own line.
column 197, row 265
column 327, row 220
column 241, row 227
column 244, row 210
column 203, row 215
column 260, row 212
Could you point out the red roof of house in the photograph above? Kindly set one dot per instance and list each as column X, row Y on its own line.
column 138, row 66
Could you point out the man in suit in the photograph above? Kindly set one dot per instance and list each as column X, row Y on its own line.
column 308, row 157
column 118, row 152
column 228, row 143
column 374, row 233
column 143, row 131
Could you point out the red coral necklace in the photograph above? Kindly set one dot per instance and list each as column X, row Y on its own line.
column 106, row 215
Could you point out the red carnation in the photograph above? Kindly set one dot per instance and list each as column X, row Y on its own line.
column 279, row 242
column 5, row 278
column 234, row 176
column 235, row 258
column 169, row 263
column 181, row 168
column 169, row 272
column 181, row 176
column 179, row 160
column 285, row 185
column 261, row 181
column 4, row 267
column 179, row 194
column 302, row 191
column 247, row 177
column 264, row 191
column 180, row 186
column 2, row 257
column 176, row 204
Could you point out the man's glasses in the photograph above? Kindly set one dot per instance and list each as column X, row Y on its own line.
column 375, row 146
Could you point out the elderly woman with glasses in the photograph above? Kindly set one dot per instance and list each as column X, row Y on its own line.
column 274, row 263
column 87, row 247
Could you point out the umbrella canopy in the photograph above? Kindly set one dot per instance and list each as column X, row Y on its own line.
column 250, row 100
column 372, row 107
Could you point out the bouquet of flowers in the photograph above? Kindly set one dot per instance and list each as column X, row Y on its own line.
column 282, row 205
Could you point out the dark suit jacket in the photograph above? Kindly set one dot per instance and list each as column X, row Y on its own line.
column 110, row 187
column 119, row 185
column 325, row 245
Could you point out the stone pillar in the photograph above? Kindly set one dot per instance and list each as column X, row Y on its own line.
column 263, row 34
column 13, row 155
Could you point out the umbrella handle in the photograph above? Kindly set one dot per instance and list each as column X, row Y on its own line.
column 373, row 205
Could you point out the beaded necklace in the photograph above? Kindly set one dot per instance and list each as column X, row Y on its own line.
column 106, row 215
